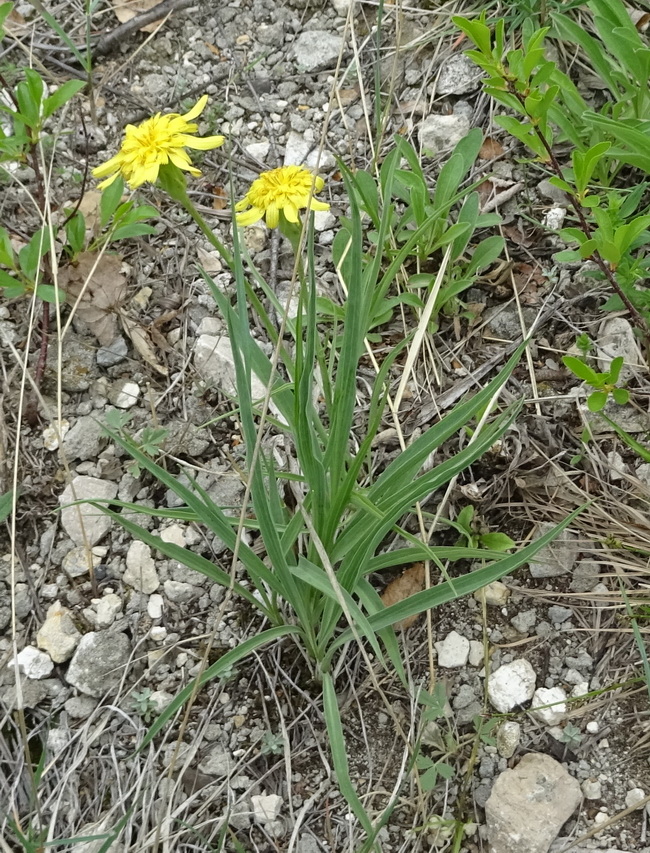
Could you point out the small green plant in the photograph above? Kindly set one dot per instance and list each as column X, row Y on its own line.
column 468, row 525
column 143, row 704
column 571, row 736
column 605, row 384
column 429, row 224
column 608, row 227
column 272, row 743
column 150, row 441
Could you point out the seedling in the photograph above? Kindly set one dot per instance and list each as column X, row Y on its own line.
column 605, row 384
column 467, row 524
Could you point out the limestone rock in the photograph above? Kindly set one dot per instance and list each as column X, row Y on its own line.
column 511, row 684
column 557, row 558
column 453, row 651
column 141, row 571
column 442, row 132
column 58, row 635
column 314, row 50
column 555, row 698
column 85, row 518
column 98, row 662
column 529, row 805
column 33, row 663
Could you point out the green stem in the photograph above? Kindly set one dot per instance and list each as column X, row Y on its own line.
column 172, row 181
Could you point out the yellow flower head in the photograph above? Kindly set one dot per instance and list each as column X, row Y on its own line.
column 158, row 140
column 285, row 190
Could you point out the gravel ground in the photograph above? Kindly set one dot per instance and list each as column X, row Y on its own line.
column 103, row 651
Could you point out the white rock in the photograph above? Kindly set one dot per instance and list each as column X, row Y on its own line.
column 634, row 797
column 160, row 699
column 141, row 571
column 453, row 651
column 209, row 326
column 442, row 132
column 476, row 653
column 341, row 7
column 592, row 789
column 581, row 689
column 213, row 359
column 51, row 434
column 320, row 161
column 511, row 684
column 33, row 663
column 58, row 635
column 508, row 738
column 616, row 466
column 554, row 218
column 323, row 220
column 266, row 808
column 85, row 518
column 296, row 149
column 316, row 49
column 556, row 698
column 258, row 150
column 495, row 594
column 529, row 805
column 124, row 393
column 174, row 534
column 158, row 633
column 155, row 606
column 593, row 727
column 107, row 609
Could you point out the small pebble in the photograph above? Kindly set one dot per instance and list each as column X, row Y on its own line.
column 634, row 796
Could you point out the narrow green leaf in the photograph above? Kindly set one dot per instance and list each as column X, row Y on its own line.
column 580, row 369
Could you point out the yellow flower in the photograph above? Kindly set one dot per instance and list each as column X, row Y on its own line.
column 158, row 140
column 285, row 190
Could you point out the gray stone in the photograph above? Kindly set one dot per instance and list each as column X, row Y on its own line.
column 464, row 697
column 524, row 622
column 585, row 576
column 511, row 684
column 548, row 190
column 557, row 558
column 76, row 562
column 22, row 601
column 140, row 570
column 179, row 592
column 529, row 805
column 186, row 438
column 77, row 363
column 559, row 614
column 77, row 520
column 218, row 762
column 508, row 738
column 98, row 663
column 58, row 635
column 214, row 361
column 616, row 338
column 476, row 653
column 80, row 707
column 155, row 84
column 442, row 132
column 84, row 440
column 314, row 50
column 458, row 75
column 113, row 354
column 554, row 697
column 453, row 651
